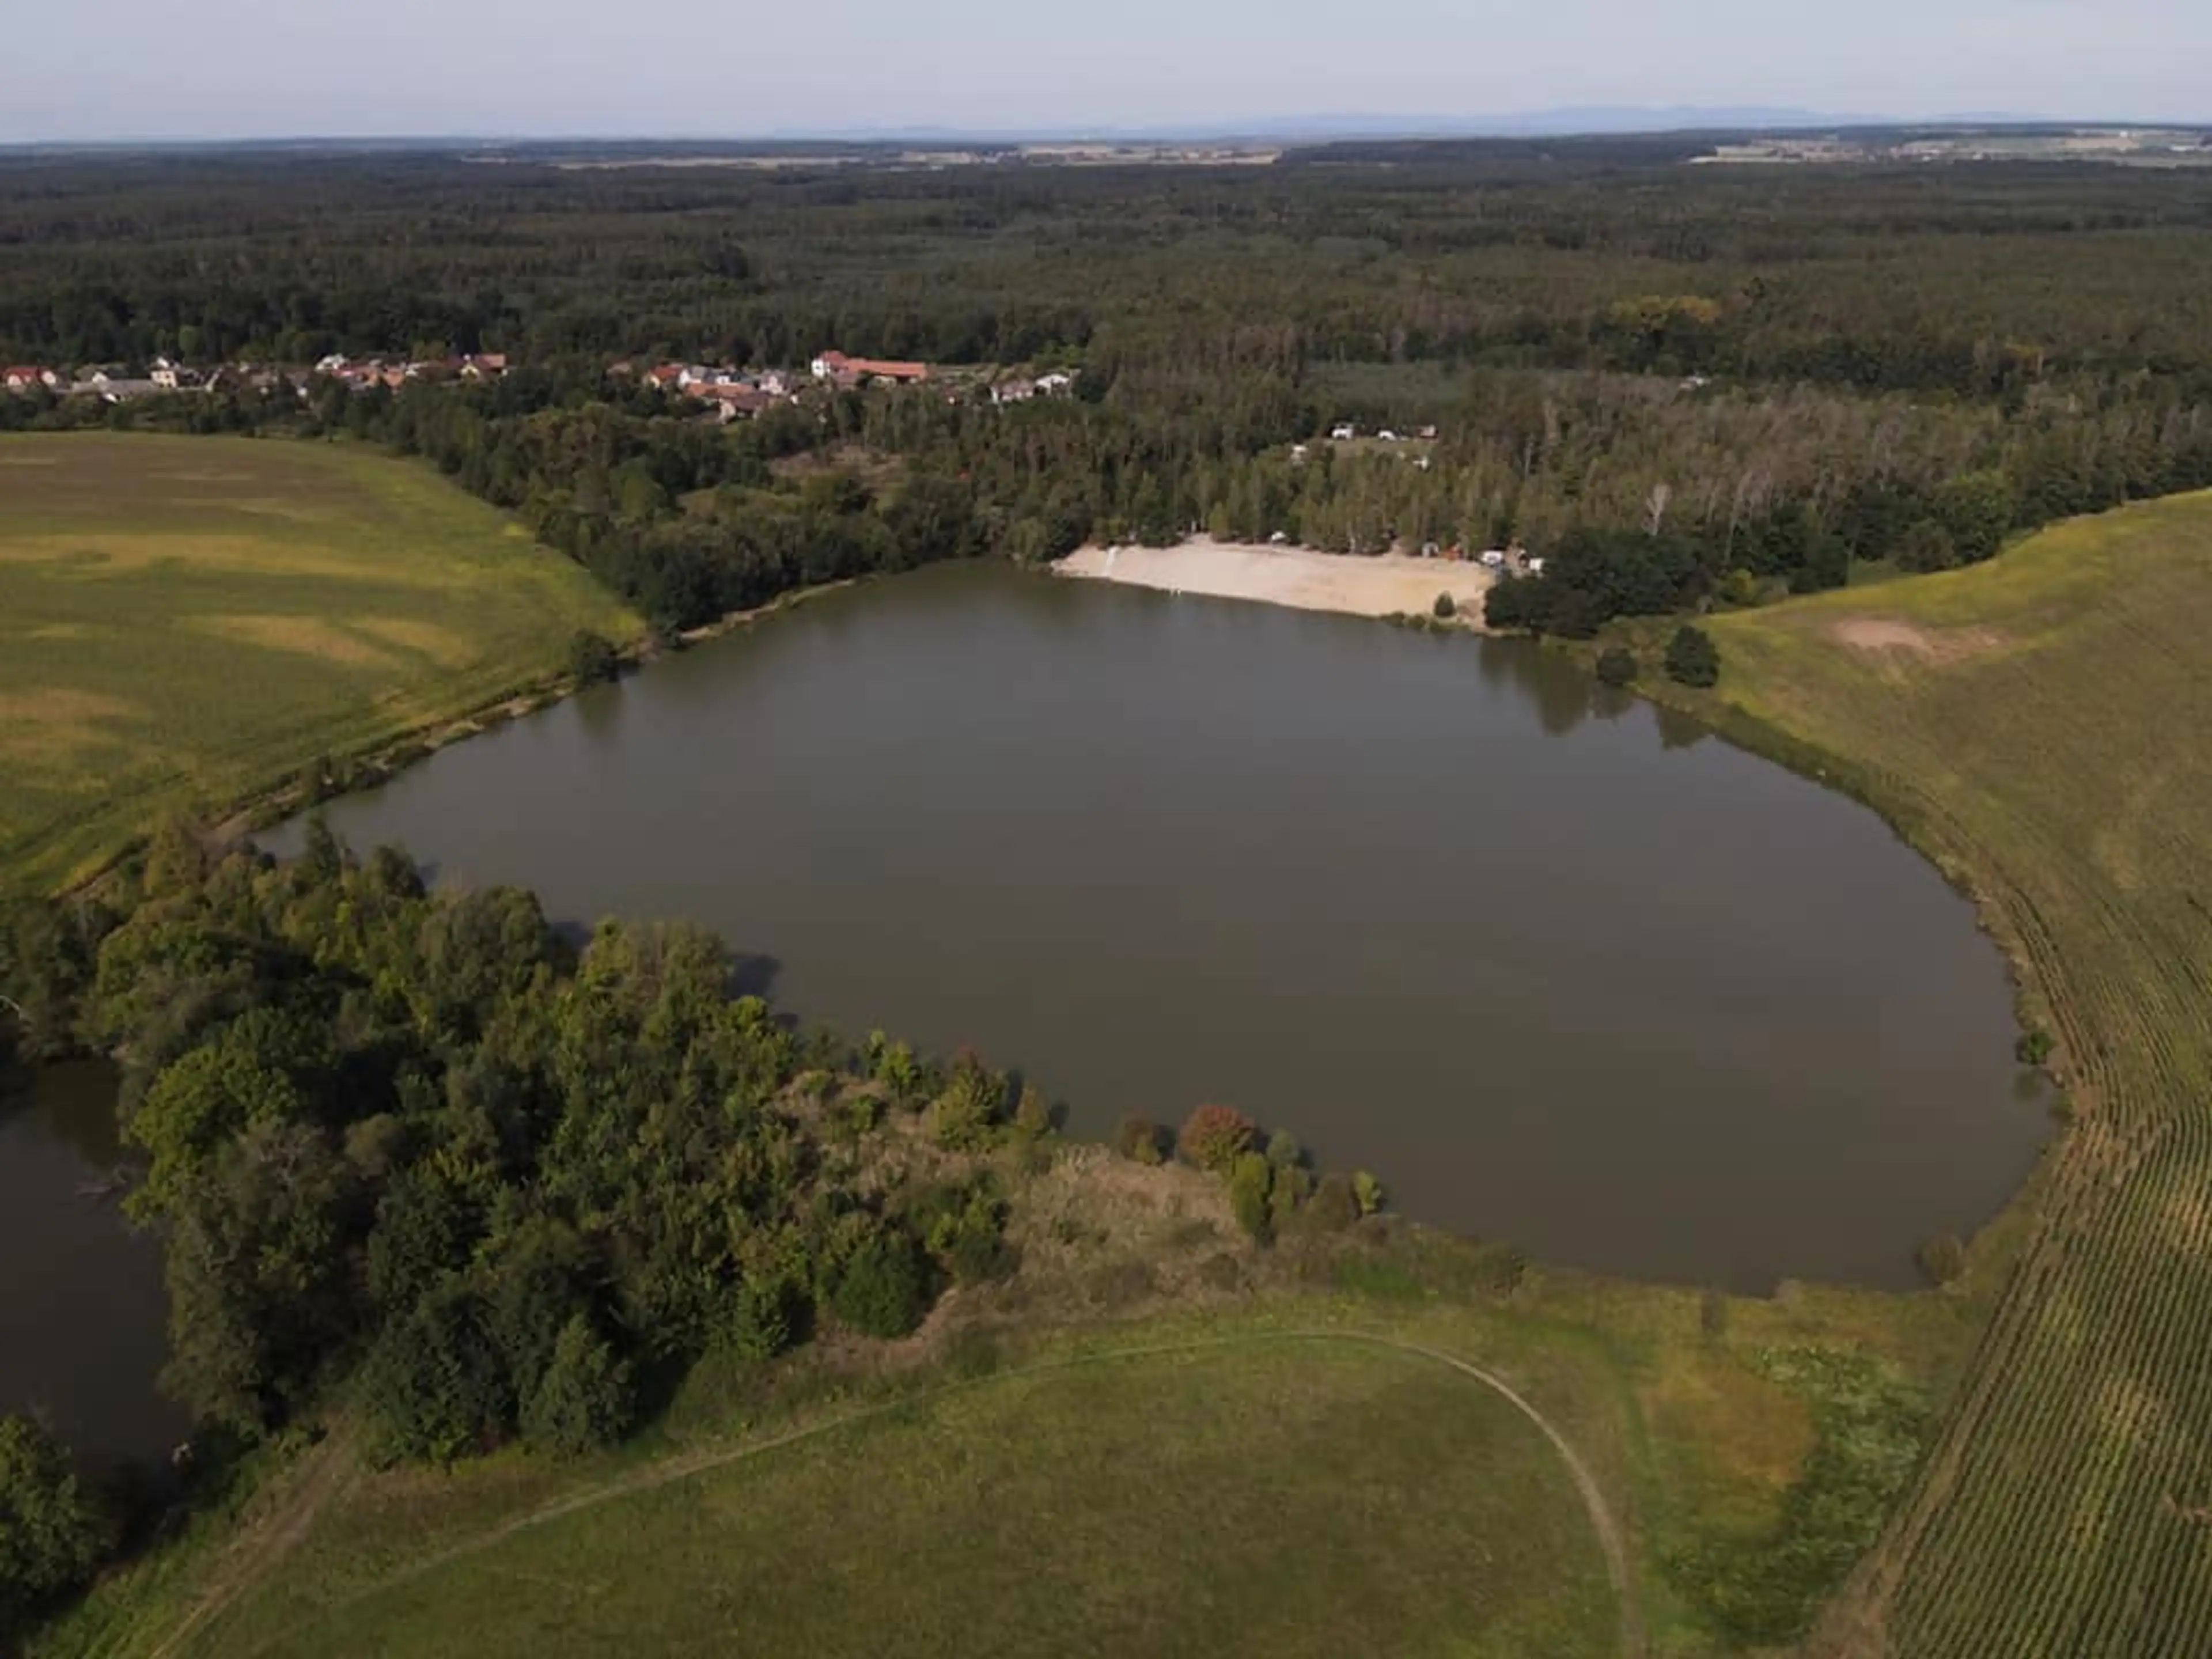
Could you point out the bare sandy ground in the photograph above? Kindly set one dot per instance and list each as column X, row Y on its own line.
column 1294, row 576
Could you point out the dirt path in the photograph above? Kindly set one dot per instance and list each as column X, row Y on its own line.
column 292, row 1520
column 332, row 1468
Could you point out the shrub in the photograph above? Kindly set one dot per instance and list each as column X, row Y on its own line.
column 1215, row 1137
column 1941, row 1258
column 1139, row 1140
column 52, row 1532
column 1032, row 1117
column 1251, row 1179
column 1366, row 1192
column 1446, row 607
column 1334, row 1206
column 2034, row 1046
column 1692, row 658
column 881, row 1291
column 435, row 1388
column 1616, row 666
column 965, row 1117
column 585, row 1401
column 1927, row 546
column 592, row 658
column 1284, row 1150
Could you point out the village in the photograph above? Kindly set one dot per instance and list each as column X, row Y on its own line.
column 719, row 391
column 729, row 393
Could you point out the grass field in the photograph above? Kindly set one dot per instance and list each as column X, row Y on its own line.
column 186, row 621
column 1244, row 1495
column 2040, row 725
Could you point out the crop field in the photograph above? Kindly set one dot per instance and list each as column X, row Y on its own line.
column 1285, row 1498
column 185, row 621
column 2040, row 725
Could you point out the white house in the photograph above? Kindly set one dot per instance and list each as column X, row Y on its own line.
column 1494, row 558
column 1054, row 384
column 1344, row 432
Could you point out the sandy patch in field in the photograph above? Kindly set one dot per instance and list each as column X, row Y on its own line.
column 51, row 724
column 1293, row 576
column 1930, row 645
column 441, row 645
column 307, row 636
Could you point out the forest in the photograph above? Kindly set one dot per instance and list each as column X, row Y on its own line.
column 428, row 1158
column 1683, row 387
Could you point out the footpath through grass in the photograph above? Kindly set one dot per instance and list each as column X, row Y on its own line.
column 2040, row 725
column 1279, row 1496
column 185, row 621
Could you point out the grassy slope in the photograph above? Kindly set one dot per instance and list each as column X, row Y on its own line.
column 2046, row 739
column 185, row 621
column 1248, row 1495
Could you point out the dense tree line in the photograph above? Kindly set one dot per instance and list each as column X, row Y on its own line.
column 494, row 1185
column 1571, row 254
column 1763, row 375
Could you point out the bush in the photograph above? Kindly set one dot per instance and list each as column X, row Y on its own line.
column 1334, row 1206
column 965, row 1117
column 585, row 1401
column 1366, row 1192
column 2034, row 1046
column 1692, row 658
column 592, row 658
column 435, row 1388
column 1251, row 1179
column 881, row 1291
column 1927, row 546
column 1138, row 1138
column 1616, row 666
column 52, row 1532
column 1941, row 1258
column 1215, row 1137
column 1446, row 607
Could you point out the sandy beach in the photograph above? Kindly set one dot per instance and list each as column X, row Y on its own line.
column 1295, row 576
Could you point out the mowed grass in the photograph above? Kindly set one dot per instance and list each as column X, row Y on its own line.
column 1284, row 1497
column 2043, row 726
column 186, row 621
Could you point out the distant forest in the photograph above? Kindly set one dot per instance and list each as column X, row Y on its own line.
column 1686, row 385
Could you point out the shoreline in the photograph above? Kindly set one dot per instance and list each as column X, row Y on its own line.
column 1297, row 578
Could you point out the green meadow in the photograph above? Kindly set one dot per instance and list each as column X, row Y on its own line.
column 187, row 621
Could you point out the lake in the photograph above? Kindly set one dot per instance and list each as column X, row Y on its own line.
column 1560, row 968
column 82, row 1308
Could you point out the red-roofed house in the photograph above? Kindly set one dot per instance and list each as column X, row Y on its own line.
column 836, row 366
column 26, row 378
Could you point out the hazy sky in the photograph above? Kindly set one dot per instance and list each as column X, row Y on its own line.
column 107, row 69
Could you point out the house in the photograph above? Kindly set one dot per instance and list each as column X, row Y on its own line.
column 1535, row 567
column 776, row 383
column 841, row 370
column 1054, row 385
column 28, row 378
column 1494, row 558
column 483, row 366
column 1386, row 435
column 734, row 400
column 1429, row 432
column 165, row 373
column 1345, row 433
column 1013, row 392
